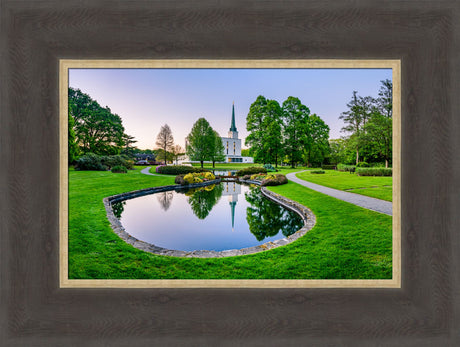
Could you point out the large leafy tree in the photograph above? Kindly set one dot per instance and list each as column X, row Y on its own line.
column 96, row 128
column 255, row 127
column 200, row 141
column 165, row 140
column 217, row 150
column 317, row 139
column 295, row 129
column 73, row 147
column 264, row 125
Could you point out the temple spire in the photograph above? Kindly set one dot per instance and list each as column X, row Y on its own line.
column 232, row 206
column 233, row 126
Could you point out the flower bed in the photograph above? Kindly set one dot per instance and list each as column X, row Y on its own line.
column 194, row 177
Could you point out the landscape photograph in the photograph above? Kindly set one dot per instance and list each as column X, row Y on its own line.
column 229, row 173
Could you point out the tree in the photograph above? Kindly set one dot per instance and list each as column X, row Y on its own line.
column 177, row 152
column 255, row 127
column 379, row 130
column 128, row 149
column 295, row 129
column 263, row 123
column 353, row 119
column 217, row 150
column 245, row 152
column 97, row 129
column 317, row 139
column 165, row 140
column 200, row 141
column 73, row 147
column 161, row 155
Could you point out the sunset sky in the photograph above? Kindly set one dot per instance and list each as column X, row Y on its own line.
column 146, row 99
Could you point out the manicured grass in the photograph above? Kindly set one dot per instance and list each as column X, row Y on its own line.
column 348, row 242
column 376, row 187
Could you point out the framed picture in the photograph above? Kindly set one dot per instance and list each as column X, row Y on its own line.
column 39, row 308
column 190, row 225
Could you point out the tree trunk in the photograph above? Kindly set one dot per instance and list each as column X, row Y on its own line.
column 201, row 163
column 386, row 163
column 357, row 155
column 213, row 164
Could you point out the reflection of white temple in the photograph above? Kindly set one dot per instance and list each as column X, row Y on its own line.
column 232, row 190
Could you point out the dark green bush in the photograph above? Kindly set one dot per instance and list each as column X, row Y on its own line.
column 317, row 172
column 343, row 167
column 374, row 171
column 251, row 170
column 274, row 180
column 179, row 169
column 363, row 164
column 328, row 167
column 117, row 160
column 119, row 169
column 90, row 161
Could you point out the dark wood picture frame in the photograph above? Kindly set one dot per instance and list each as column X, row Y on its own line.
column 35, row 35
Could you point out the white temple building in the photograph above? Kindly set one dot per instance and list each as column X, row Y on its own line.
column 232, row 144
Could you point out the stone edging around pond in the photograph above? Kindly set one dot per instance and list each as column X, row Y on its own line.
column 306, row 214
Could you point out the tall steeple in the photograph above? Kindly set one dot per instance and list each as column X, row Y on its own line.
column 232, row 206
column 233, row 126
column 233, row 133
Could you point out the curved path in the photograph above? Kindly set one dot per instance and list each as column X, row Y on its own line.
column 146, row 171
column 373, row 204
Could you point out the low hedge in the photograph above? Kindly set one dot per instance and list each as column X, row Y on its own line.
column 374, row 171
column 317, row 172
column 348, row 168
column 251, row 170
column 178, row 169
column 328, row 167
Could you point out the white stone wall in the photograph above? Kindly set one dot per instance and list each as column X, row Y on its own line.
column 234, row 147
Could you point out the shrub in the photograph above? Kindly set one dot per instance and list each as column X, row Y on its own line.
column 257, row 177
column 251, row 170
column 374, row 171
column 90, row 161
column 117, row 160
column 246, row 177
column 177, row 169
column 119, row 169
column 343, row 167
column 317, row 172
column 194, row 177
column 274, row 180
column 363, row 164
column 269, row 168
column 328, row 167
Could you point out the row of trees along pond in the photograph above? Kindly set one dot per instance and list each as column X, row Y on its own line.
column 289, row 133
column 286, row 133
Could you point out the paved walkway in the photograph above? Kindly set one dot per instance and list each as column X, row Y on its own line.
column 373, row 204
column 146, row 171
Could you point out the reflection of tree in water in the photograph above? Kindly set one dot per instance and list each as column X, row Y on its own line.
column 202, row 200
column 165, row 199
column 266, row 218
column 117, row 208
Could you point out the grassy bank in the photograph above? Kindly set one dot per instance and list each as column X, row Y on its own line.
column 348, row 242
column 376, row 187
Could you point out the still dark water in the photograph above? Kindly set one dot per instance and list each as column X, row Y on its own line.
column 225, row 216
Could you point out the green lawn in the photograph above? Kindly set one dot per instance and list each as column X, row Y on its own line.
column 376, row 187
column 348, row 242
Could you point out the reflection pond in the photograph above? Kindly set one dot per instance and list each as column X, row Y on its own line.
column 218, row 217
